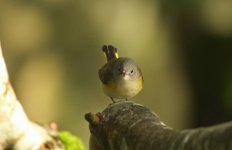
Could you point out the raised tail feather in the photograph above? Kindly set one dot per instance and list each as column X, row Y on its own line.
column 110, row 51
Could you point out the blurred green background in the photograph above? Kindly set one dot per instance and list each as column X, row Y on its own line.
column 184, row 47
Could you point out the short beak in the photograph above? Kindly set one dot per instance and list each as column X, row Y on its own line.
column 124, row 73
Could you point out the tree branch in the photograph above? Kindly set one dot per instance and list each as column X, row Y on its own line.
column 16, row 130
column 130, row 126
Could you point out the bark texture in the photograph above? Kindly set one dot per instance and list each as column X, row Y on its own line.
column 130, row 126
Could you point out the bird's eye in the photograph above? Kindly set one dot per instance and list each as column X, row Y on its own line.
column 132, row 71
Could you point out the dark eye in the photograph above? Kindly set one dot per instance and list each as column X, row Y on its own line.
column 132, row 71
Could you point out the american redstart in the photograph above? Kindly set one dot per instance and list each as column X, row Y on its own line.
column 121, row 77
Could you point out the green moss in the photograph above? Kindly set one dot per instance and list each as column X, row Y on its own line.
column 71, row 142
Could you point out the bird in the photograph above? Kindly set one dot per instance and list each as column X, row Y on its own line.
column 121, row 77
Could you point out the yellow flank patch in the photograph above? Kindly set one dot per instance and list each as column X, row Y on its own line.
column 105, row 56
column 140, row 83
column 116, row 55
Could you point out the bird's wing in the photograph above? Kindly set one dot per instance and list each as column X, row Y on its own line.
column 105, row 73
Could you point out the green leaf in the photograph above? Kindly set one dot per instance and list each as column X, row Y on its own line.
column 70, row 141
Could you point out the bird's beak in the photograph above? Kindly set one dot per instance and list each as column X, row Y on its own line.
column 124, row 73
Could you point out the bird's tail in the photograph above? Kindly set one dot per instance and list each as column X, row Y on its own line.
column 110, row 52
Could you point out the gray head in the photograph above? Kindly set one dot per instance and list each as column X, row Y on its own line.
column 126, row 69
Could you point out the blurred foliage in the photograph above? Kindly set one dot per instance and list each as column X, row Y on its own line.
column 70, row 141
column 228, row 93
column 184, row 47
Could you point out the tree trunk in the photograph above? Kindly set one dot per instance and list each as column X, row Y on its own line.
column 17, row 132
